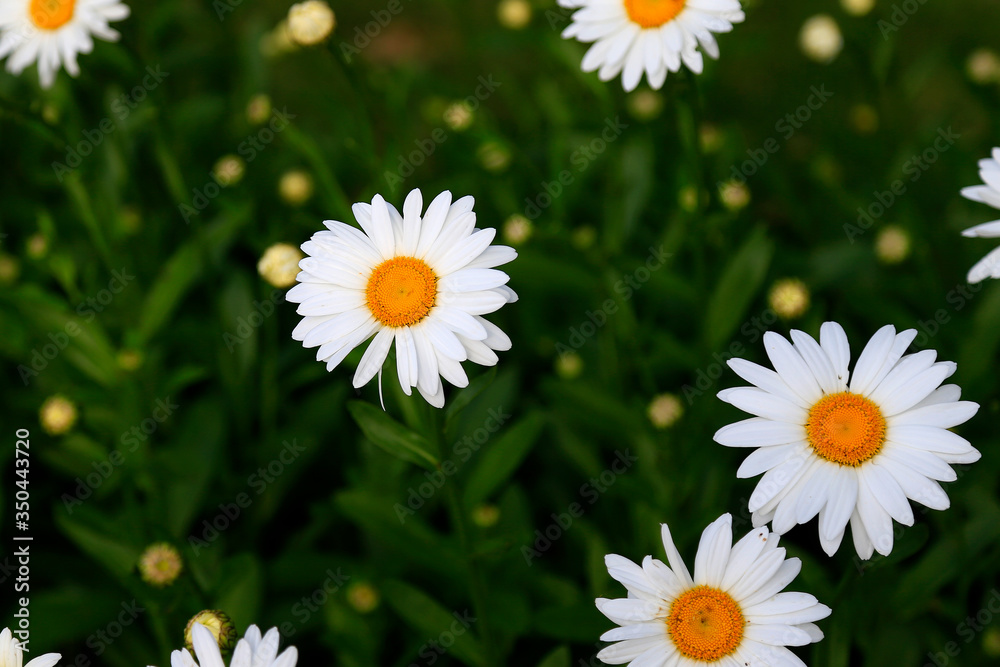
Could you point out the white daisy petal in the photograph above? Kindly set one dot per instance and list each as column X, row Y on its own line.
column 853, row 448
column 421, row 282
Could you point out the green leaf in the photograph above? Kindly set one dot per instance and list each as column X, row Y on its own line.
column 199, row 438
column 558, row 658
column 740, row 281
column 392, row 436
column 99, row 541
column 239, row 592
column 432, row 620
column 500, row 460
column 183, row 269
column 462, row 399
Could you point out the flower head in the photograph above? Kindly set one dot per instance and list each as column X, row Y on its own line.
column 53, row 32
column 251, row 651
column 280, row 264
column 789, row 298
column 988, row 193
column 219, row 626
column 731, row 612
column 821, row 39
column 850, row 447
column 58, row 415
column 160, row 564
column 310, row 22
column 651, row 37
column 664, row 410
column 420, row 280
column 295, row 187
column 11, row 653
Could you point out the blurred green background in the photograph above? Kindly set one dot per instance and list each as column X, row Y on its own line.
column 345, row 522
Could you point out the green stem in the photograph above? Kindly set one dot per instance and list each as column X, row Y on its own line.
column 459, row 522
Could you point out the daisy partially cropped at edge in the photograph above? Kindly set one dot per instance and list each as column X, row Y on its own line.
column 988, row 193
column 732, row 612
column 421, row 282
column 632, row 37
column 850, row 447
column 53, row 32
column 11, row 653
column 252, row 650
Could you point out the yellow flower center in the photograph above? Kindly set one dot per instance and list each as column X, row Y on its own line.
column 653, row 13
column 845, row 428
column 705, row 624
column 51, row 14
column 401, row 291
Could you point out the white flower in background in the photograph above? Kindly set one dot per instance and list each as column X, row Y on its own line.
column 988, row 193
column 310, row 22
column 857, row 7
column 632, row 37
column 850, row 447
column 251, row 651
column 821, row 39
column 11, row 653
column 731, row 612
column 421, row 282
column 53, row 32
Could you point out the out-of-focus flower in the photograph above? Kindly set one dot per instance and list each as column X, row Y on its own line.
column 424, row 287
column 514, row 14
column 710, row 137
column 54, row 32
column 821, row 39
column 58, row 415
column 160, row 564
column 734, row 195
column 129, row 360
column 517, row 229
column 259, row 109
column 295, row 187
column 892, row 245
column 459, row 116
column 789, row 298
column 983, row 66
column 857, row 7
column 494, row 156
column 644, row 104
column 569, row 365
column 583, row 237
column 280, row 264
column 38, row 246
column 363, row 597
column 864, row 118
column 664, row 410
column 10, row 269
column 229, row 170
column 310, row 22
column 486, row 515
column 651, row 37
column 11, row 653
column 221, row 634
column 687, row 197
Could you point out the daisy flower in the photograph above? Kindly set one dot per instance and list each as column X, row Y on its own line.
column 422, row 282
column 988, row 193
column 251, row 651
column 53, row 32
column 850, row 448
column 652, row 36
column 731, row 613
column 11, row 653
